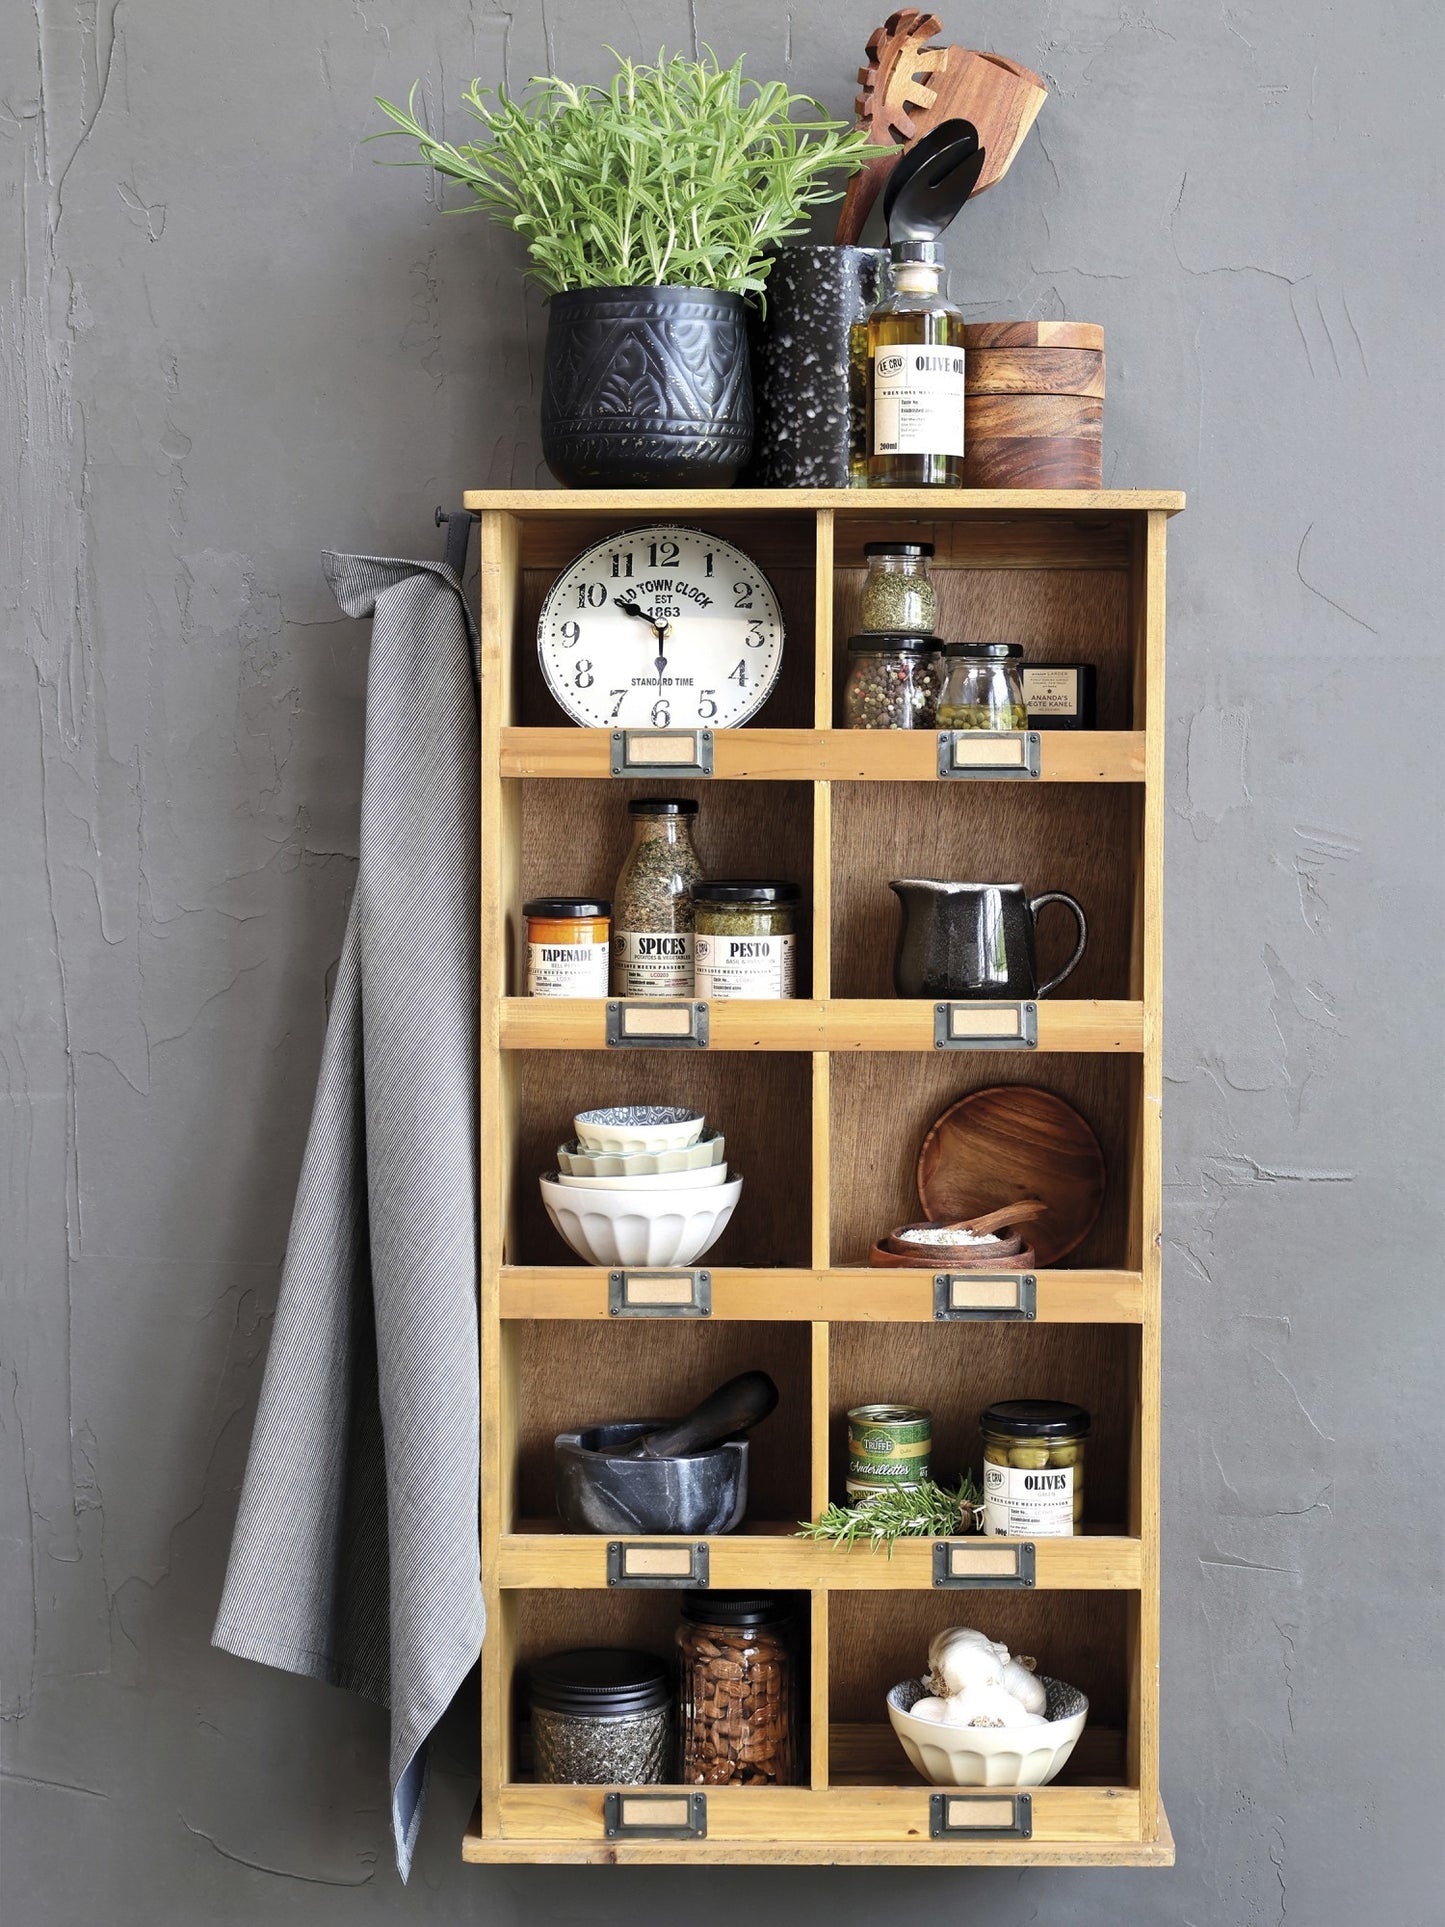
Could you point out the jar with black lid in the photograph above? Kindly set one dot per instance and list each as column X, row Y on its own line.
column 602, row 1715
column 746, row 939
column 737, row 1689
column 1033, row 1468
column 898, row 592
column 893, row 681
column 983, row 686
column 652, row 927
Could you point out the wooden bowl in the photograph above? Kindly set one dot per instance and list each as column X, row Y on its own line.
column 1014, row 1141
column 881, row 1256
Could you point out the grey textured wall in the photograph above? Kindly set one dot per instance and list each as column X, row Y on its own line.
column 228, row 340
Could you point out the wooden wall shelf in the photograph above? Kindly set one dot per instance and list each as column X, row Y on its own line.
column 824, row 1100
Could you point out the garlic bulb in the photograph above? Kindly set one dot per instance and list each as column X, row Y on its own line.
column 961, row 1658
column 987, row 1706
column 930, row 1709
column 1025, row 1686
column 975, row 1682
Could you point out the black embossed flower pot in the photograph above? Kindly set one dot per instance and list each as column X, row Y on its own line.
column 647, row 388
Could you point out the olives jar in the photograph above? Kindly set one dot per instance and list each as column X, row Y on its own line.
column 983, row 687
column 737, row 1690
column 1033, row 1468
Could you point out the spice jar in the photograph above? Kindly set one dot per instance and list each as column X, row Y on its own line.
column 737, row 1690
column 983, row 687
column 1033, row 1468
column 898, row 592
column 602, row 1716
column 746, row 938
column 893, row 681
column 567, row 946
column 652, row 903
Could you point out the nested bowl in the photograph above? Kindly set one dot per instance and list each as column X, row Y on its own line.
column 574, row 1161
column 636, row 1228
column 638, row 1127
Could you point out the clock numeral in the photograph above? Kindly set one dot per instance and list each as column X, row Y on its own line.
column 591, row 595
column 571, row 634
column 707, row 563
column 744, row 592
column 619, row 557
column 663, row 554
column 661, row 714
column 755, row 637
column 582, row 674
column 621, row 695
column 739, row 675
column 707, row 705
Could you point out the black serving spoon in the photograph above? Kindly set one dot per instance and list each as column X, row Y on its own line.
column 745, row 1401
column 920, row 154
column 935, row 191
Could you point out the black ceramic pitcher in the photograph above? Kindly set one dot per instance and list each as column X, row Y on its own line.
column 967, row 940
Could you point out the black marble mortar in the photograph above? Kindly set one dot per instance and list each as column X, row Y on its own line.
column 703, row 1493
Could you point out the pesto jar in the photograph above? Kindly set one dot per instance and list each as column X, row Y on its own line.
column 746, row 940
column 1033, row 1468
column 983, row 687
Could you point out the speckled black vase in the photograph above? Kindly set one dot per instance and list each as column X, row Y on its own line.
column 647, row 388
column 809, row 390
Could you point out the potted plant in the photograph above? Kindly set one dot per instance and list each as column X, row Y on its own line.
column 649, row 208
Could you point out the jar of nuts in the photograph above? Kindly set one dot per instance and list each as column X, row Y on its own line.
column 737, row 1690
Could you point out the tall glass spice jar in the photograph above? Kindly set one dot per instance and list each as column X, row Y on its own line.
column 737, row 1690
column 893, row 682
column 983, row 687
column 915, row 377
column 652, row 916
column 898, row 592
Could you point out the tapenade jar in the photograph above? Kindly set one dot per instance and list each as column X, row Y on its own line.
column 893, row 681
column 737, row 1690
column 567, row 944
column 898, row 592
column 983, row 686
column 602, row 1716
column 746, row 940
column 1033, row 1468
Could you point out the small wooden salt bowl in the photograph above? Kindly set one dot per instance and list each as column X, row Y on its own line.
column 1034, row 412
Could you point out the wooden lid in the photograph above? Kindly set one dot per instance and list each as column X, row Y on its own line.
column 1033, row 334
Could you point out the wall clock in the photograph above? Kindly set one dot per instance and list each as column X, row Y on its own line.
column 661, row 628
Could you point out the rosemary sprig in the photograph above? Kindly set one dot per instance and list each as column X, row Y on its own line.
column 925, row 1511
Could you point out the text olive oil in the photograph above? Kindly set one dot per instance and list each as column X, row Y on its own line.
column 915, row 377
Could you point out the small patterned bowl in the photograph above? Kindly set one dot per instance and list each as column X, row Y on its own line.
column 638, row 1127
column 573, row 1161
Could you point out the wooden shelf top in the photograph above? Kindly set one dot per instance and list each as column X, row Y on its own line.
column 831, row 755
column 844, row 501
column 839, row 1024
column 845, row 1295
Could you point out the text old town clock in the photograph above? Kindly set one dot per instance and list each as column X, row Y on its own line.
column 661, row 628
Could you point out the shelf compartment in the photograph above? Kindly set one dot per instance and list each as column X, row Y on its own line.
column 856, row 1294
column 770, row 1555
column 841, row 1024
column 774, row 754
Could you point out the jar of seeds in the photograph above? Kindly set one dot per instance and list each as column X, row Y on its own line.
column 652, row 920
column 983, row 687
column 737, row 1690
column 898, row 592
column 893, row 681
column 602, row 1716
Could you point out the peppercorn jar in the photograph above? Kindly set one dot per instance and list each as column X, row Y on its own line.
column 893, row 681
column 602, row 1716
column 1033, row 1468
column 737, row 1690
column 983, row 686
column 746, row 939
column 898, row 591
column 652, row 923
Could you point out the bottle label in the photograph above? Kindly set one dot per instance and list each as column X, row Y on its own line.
column 918, row 401
column 744, row 967
column 1019, row 1504
column 567, row 969
column 653, row 963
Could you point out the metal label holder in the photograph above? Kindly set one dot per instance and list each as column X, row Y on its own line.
column 659, row 1294
column 661, row 752
column 656, row 1566
column 985, row 1026
column 644, row 1024
column 655, row 1816
column 989, row 753
column 981, row 1816
column 983, row 1563
column 986, row 1296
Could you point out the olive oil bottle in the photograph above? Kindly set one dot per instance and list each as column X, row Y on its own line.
column 915, row 377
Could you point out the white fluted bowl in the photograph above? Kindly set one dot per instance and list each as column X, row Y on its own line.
column 989, row 1755
column 637, row 1228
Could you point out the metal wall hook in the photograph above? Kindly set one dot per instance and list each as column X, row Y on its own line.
column 459, row 535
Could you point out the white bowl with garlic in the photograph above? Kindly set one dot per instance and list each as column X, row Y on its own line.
column 980, row 1717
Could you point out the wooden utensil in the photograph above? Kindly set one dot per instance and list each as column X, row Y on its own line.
column 1001, row 98
column 1012, row 1141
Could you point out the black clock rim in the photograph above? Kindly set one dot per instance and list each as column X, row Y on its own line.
column 670, row 528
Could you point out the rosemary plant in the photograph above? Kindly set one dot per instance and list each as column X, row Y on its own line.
column 924, row 1511
column 679, row 174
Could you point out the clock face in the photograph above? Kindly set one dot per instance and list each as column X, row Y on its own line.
column 661, row 628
